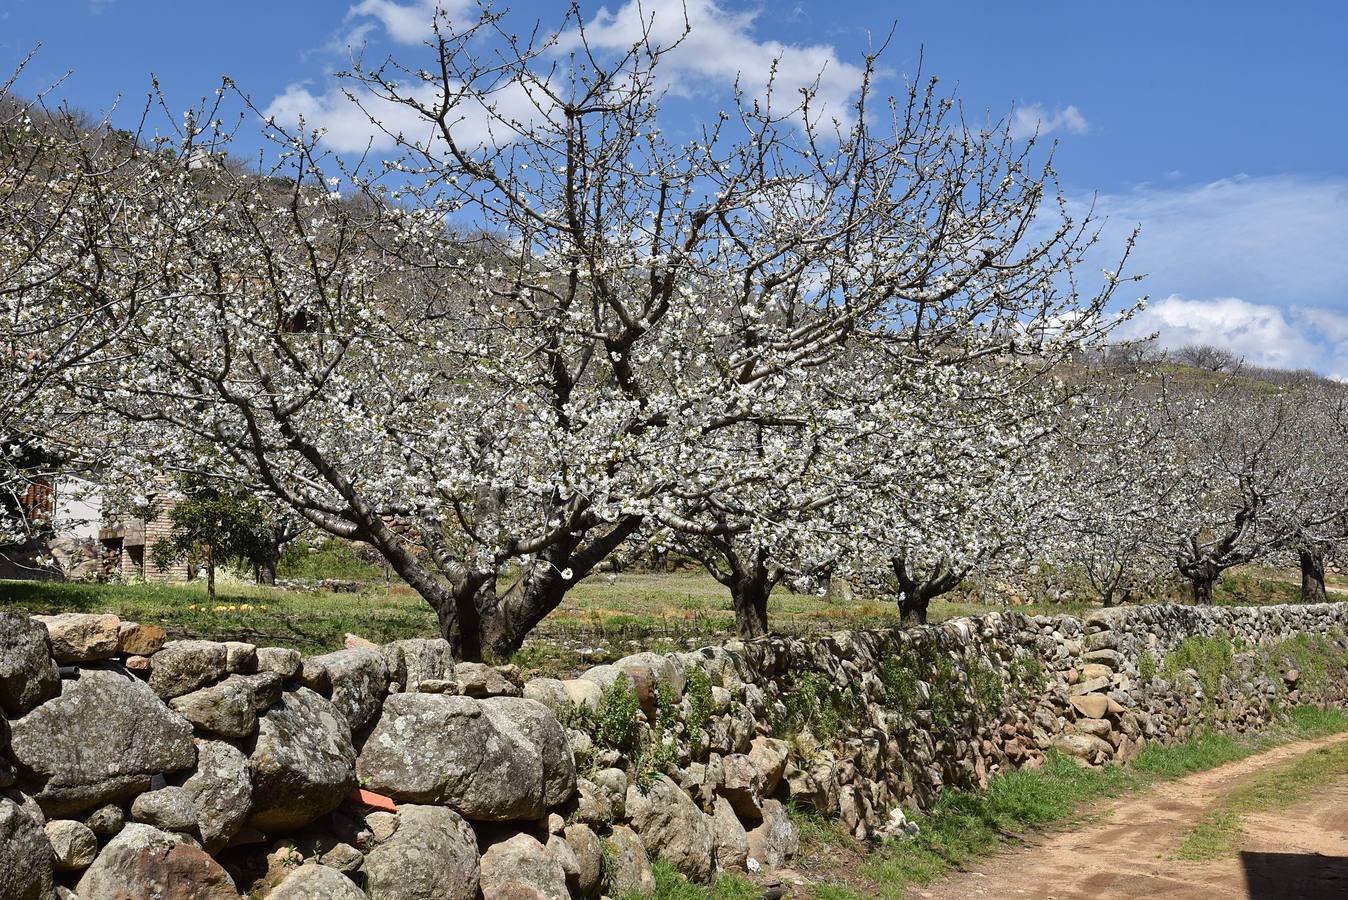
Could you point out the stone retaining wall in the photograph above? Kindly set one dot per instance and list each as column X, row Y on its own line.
column 130, row 765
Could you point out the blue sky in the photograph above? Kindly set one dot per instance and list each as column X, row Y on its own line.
column 1220, row 126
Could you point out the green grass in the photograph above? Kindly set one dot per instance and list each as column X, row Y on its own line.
column 654, row 609
column 325, row 559
column 312, row 622
column 1219, row 832
column 964, row 825
column 670, row 885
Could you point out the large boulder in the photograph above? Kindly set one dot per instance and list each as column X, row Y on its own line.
column 73, row 844
column 315, row 882
column 358, row 679
column 741, row 784
column 282, row 661
column 457, row 752
column 168, row 809
column 228, row 709
column 732, row 845
column 221, row 790
column 672, row 827
column 589, row 852
column 28, row 675
column 539, row 727
column 415, row 660
column 302, row 764
column 106, row 821
column 627, row 866
column 548, row 691
column 481, row 680
column 82, row 637
column 101, row 739
column 25, row 855
column 135, row 639
column 775, row 839
column 768, row 756
column 432, row 856
column 144, row 862
column 183, row 666
column 656, row 669
column 520, row 868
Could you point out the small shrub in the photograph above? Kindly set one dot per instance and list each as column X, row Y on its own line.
column 989, row 691
column 698, row 692
column 1211, row 657
column 1146, row 666
column 901, row 672
column 1028, row 678
column 900, row 679
column 617, row 721
column 810, row 702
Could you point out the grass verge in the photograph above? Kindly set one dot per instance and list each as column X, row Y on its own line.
column 1220, row 830
column 966, row 825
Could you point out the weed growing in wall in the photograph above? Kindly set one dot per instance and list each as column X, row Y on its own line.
column 1028, row 678
column 660, row 750
column 810, row 701
column 1212, row 657
column 1146, row 666
column 901, row 672
column 700, row 706
column 989, row 691
column 614, row 725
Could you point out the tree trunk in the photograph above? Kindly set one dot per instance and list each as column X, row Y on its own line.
column 478, row 622
column 210, row 573
column 266, row 570
column 1312, row 576
column 749, row 594
column 1202, row 585
column 913, row 608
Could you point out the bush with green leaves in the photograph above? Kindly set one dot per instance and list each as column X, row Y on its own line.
column 216, row 523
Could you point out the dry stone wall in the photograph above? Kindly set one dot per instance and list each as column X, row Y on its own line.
column 132, row 766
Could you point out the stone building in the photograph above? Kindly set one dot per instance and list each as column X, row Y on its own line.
column 128, row 544
column 128, row 548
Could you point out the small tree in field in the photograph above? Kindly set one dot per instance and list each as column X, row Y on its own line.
column 215, row 524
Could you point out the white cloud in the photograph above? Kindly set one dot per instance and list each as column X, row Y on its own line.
column 721, row 47
column 1263, row 334
column 347, row 127
column 1033, row 118
column 406, row 23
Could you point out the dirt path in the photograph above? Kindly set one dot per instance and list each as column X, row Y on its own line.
column 1299, row 851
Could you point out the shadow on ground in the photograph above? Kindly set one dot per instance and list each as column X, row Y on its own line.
column 1284, row 876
